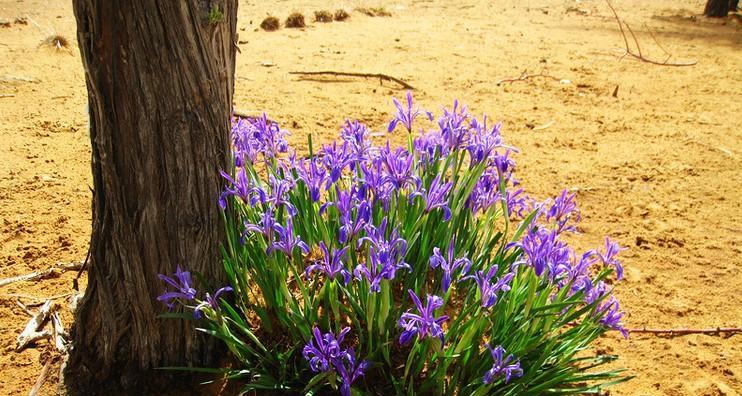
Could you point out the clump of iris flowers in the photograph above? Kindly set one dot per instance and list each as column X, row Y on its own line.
column 369, row 268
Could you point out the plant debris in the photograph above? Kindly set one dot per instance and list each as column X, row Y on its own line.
column 295, row 21
column 56, row 41
column 270, row 24
column 323, row 16
column 341, row 15
column 374, row 11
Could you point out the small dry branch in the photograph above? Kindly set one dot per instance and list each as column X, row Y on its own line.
column 678, row 332
column 381, row 77
column 58, row 333
column 638, row 54
column 52, row 272
column 524, row 76
column 42, row 378
column 33, row 331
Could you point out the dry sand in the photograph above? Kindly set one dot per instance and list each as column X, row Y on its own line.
column 657, row 167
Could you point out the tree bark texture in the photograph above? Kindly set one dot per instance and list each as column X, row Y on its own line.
column 160, row 80
column 717, row 8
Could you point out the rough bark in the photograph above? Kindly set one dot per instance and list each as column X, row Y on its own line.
column 160, row 79
column 717, row 8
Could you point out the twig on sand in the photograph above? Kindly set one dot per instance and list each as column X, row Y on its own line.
column 638, row 55
column 525, row 76
column 679, row 332
column 380, row 76
column 42, row 378
column 58, row 333
column 35, row 300
column 23, row 307
column 83, row 268
column 245, row 113
column 52, row 272
column 34, row 328
column 7, row 95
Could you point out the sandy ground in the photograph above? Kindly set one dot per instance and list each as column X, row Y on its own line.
column 657, row 166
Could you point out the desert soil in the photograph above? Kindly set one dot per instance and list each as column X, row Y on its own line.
column 656, row 166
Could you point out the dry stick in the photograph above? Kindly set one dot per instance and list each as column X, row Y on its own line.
column 23, row 307
column 83, row 267
column 640, row 56
column 380, row 76
column 33, row 331
column 7, row 95
column 671, row 332
column 44, row 274
column 42, row 378
column 245, row 113
column 58, row 333
column 525, row 76
column 37, row 300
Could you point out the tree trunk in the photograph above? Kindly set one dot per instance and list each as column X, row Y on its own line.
column 716, row 8
column 160, row 79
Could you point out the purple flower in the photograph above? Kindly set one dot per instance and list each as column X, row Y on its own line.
column 562, row 211
column 349, row 371
column 449, row 265
column 376, row 237
column 352, row 226
column 503, row 163
column 373, row 181
column 356, row 136
column 272, row 138
column 483, row 141
column 324, row 353
column 258, row 135
column 287, row 241
column 211, row 301
column 608, row 310
column 347, row 203
column 405, row 115
column 239, row 187
column 246, row 146
column 335, row 159
column 544, row 251
column 374, row 270
column 279, row 189
column 485, row 193
column 453, row 127
column 398, row 166
column 516, row 202
column 424, row 324
column 427, row 146
column 435, row 197
column 488, row 290
column 183, row 289
column 609, row 257
column 264, row 227
column 324, row 349
column 503, row 366
column 331, row 264
column 313, row 177
column 386, row 256
column 612, row 316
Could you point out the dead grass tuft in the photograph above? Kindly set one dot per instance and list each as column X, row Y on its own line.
column 323, row 16
column 375, row 12
column 341, row 15
column 295, row 20
column 270, row 24
column 56, row 41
